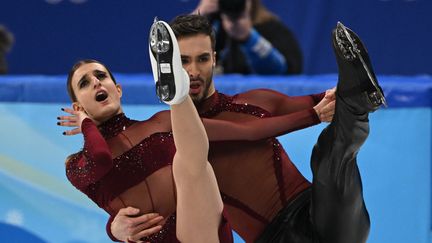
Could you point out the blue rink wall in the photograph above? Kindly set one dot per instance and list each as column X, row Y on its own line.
column 37, row 203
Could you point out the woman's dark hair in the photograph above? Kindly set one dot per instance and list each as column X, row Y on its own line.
column 192, row 24
column 72, row 71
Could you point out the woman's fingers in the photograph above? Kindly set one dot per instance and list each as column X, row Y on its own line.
column 67, row 123
column 66, row 118
column 68, row 110
column 72, row 132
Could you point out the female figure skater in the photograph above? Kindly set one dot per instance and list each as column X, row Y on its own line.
column 161, row 177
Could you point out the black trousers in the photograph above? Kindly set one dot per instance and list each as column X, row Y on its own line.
column 333, row 209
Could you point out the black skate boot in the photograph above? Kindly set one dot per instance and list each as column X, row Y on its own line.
column 357, row 85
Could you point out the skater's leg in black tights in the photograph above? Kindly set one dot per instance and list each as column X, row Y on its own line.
column 338, row 210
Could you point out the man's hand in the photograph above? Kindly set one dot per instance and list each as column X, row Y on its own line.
column 127, row 227
column 325, row 109
column 73, row 120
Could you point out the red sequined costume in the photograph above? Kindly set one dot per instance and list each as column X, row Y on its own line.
column 128, row 163
column 257, row 178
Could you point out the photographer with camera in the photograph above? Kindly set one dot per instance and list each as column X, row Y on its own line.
column 251, row 39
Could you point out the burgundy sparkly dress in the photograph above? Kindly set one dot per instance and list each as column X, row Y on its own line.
column 128, row 163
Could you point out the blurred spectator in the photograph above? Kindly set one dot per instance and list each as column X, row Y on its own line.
column 251, row 39
column 6, row 41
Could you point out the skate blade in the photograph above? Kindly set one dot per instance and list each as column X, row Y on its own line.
column 160, row 44
column 377, row 97
column 159, row 38
column 162, row 91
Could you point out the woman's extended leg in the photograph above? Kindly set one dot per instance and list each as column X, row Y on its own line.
column 199, row 204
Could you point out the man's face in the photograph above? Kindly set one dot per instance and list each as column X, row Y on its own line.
column 198, row 60
column 96, row 92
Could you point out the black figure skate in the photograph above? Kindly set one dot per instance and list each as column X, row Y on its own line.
column 357, row 84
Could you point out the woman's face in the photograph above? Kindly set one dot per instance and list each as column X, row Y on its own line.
column 96, row 92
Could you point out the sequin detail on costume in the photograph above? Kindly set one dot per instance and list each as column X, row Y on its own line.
column 136, row 164
column 221, row 102
column 277, row 163
column 113, row 126
column 164, row 235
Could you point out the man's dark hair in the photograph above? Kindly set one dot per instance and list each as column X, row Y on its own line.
column 192, row 24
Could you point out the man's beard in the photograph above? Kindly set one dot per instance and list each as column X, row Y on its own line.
column 202, row 96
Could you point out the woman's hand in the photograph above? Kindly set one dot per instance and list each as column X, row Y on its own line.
column 73, row 120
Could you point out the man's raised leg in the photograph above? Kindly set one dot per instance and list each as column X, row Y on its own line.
column 338, row 211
